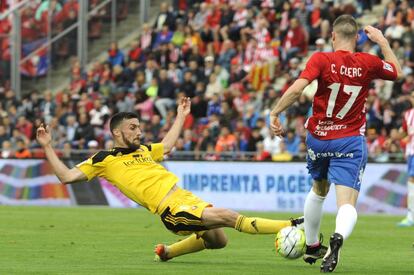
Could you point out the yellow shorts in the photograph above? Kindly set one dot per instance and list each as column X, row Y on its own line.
column 181, row 213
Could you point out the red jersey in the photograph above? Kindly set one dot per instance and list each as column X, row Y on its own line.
column 408, row 126
column 343, row 81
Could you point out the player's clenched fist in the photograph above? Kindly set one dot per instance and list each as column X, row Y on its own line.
column 184, row 106
column 374, row 34
column 275, row 126
column 43, row 135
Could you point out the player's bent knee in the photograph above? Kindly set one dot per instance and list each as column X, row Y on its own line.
column 321, row 188
column 218, row 243
column 215, row 239
column 222, row 242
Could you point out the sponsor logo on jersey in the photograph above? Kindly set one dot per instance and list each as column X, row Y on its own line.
column 387, row 66
column 313, row 156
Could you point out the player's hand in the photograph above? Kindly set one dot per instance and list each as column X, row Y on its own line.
column 43, row 135
column 375, row 35
column 276, row 128
column 184, row 107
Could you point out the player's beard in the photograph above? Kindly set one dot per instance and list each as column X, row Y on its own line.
column 131, row 145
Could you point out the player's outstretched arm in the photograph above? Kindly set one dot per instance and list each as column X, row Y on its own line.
column 171, row 137
column 65, row 175
column 288, row 98
column 376, row 36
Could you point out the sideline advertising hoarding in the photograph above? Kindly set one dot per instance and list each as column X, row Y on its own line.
column 255, row 186
column 283, row 186
column 30, row 182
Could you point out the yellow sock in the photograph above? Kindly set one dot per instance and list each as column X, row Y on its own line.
column 254, row 225
column 188, row 245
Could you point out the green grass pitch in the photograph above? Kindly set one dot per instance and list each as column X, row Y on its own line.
column 92, row 240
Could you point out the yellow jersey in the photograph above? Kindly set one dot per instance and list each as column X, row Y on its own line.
column 135, row 173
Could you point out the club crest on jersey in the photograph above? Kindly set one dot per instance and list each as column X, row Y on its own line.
column 387, row 67
column 311, row 154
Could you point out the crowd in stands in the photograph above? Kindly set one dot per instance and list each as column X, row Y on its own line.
column 234, row 59
column 35, row 27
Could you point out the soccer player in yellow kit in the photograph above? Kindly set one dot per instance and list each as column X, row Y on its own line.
column 134, row 169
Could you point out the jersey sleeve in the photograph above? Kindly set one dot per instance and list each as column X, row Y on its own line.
column 382, row 69
column 156, row 151
column 89, row 168
column 313, row 67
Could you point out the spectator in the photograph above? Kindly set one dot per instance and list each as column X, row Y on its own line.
column 214, row 106
column 135, row 52
column 178, row 37
column 9, row 100
column 24, row 126
column 145, row 106
column 200, row 18
column 318, row 21
column 152, row 90
column 294, row 42
column 272, row 144
column 188, row 140
column 115, row 55
column 156, row 125
column 164, row 18
column 125, row 102
column 394, row 31
column 213, row 87
column 98, row 116
column 166, row 94
column 373, row 142
column 226, row 55
column 53, row 5
column 254, row 139
column 204, row 141
column 261, row 154
column 70, row 128
column 6, row 149
column 226, row 141
column 163, row 37
column 22, row 152
column 302, row 14
column 147, row 37
column 283, row 154
column 188, row 85
column 175, row 74
column 199, row 106
column 84, row 129
column 128, row 75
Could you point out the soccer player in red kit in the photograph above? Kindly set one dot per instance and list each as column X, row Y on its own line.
column 337, row 151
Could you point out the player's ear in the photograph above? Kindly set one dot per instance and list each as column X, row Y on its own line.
column 333, row 36
column 116, row 132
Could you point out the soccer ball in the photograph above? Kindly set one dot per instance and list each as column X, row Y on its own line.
column 290, row 242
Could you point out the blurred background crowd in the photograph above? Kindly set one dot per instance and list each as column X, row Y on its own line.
column 234, row 59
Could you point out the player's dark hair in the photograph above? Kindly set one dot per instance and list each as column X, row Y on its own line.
column 346, row 26
column 119, row 117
